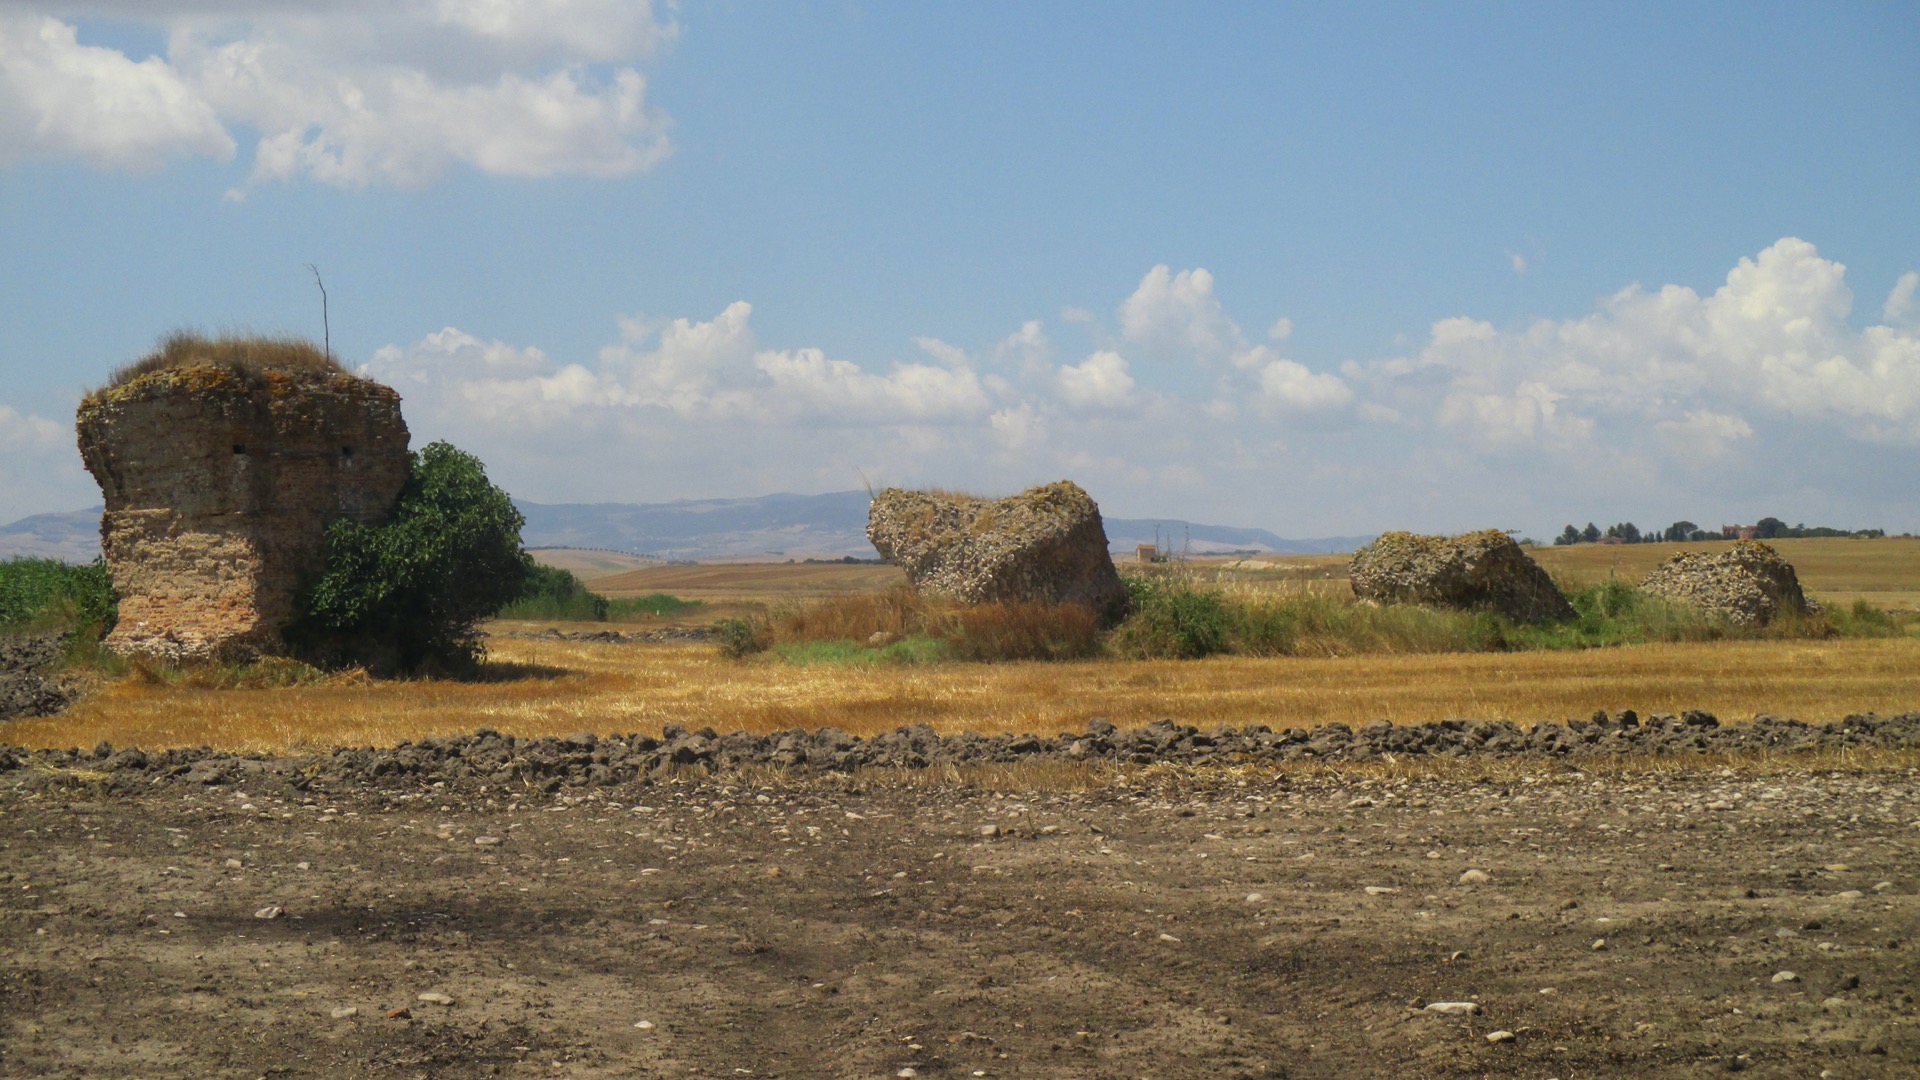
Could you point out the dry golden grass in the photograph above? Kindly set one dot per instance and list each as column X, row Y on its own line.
column 248, row 354
column 1828, row 567
column 751, row 582
column 1834, row 570
column 581, row 686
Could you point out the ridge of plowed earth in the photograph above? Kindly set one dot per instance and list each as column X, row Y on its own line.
column 196, row 914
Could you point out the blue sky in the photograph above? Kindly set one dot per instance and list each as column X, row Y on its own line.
column 1320, row 269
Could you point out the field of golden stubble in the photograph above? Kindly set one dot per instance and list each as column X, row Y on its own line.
column 1885, row 572
column 609, row 688
column 557, row 687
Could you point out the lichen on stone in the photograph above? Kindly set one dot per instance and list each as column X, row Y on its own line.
column 221, row 470
column 1749, row 583
column 1044, row 544
column 1477, row 570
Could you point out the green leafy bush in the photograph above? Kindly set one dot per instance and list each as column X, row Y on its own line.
column 47, row 594
column 553, row 593
column 1173, row 618
column 629, row 608
column 741, row 637
column 408, row 594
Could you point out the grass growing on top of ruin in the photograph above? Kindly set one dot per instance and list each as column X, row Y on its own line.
column 245, row 354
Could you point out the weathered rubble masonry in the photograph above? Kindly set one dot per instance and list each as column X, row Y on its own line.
column 1045, row 545
column 1484, row 569
column 219, row 485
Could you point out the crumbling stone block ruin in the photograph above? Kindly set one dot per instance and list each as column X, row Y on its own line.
column 1484, row 569
column 1046, row 544
column 1749, row 583
column 222, row 464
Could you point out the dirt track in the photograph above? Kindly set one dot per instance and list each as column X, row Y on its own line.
column 1169, row 922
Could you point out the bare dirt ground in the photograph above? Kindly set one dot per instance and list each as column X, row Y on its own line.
column 1044, row 921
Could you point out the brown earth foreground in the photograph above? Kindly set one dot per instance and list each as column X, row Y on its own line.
column 1619, row 917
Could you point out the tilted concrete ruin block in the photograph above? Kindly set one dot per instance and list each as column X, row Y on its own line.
column 220, row 482
column 1484, row 569
column 1046, row 544
column 1749, row 583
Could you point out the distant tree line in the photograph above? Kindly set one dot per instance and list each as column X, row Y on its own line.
column 1767, row 528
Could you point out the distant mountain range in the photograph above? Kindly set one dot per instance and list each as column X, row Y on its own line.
column 73, row 536
column 768, row 527
column 828, row 526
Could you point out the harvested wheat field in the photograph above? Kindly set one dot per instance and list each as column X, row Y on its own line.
column 551, row 687
column 507, row 888
column 1885, row 571
column 750, row 582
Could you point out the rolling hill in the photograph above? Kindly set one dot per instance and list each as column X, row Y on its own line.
column 770, row 527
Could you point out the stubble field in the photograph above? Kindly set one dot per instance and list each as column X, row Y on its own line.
column 1624, row 916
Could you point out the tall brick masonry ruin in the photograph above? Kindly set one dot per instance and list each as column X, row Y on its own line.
column 220, row 483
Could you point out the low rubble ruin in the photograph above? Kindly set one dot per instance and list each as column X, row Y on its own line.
column 1749, row 583
column 1484, row 569
column 1045, row 545
column 221, row 476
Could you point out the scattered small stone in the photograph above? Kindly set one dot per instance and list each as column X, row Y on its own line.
column 989, row 831
column 1170, row 937
column 1599, row 944
column 345, row 1011
column 907, row 1073
column 1849, row 894
column 644, row 1025
column 234, row 864
column 434, row 997
column 302, row 866
column 1498, row 1037
column 1882, row 886
column 1785, row 977
column 1836, row 868
column 1834, row 1004
column 486, row 841
column 401, row 1013
column 271, row 911
column 1475, row 877
column 1380, row 890
column 1454, row 1008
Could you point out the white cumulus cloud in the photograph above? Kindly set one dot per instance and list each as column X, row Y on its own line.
column 1101, row 381
column 1177, row 316
column 62, row 99
column 1772, row 345
column 1901, row 309
column 1737, row 400
column 349, row 93
column 1293, row 386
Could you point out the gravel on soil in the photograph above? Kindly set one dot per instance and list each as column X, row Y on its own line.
column 699, row 906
